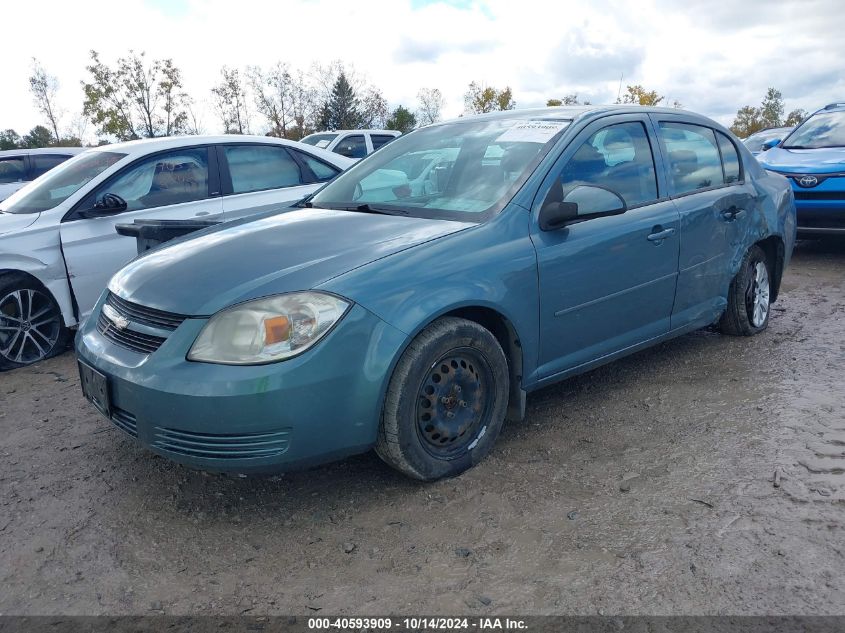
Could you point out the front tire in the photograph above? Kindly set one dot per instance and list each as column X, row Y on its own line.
column 749, row 296
column 31, row 324
column 446, row 401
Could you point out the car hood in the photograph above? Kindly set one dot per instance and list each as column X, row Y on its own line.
column 10, row 222
column 809, row 161
column 285, row 252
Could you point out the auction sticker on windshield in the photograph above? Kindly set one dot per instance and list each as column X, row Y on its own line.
column 532, row 132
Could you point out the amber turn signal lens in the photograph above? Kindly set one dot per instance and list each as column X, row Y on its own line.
column 276, row 330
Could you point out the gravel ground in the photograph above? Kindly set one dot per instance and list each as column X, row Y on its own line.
column 703, row 476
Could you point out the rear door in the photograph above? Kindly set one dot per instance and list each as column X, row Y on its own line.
column 258, row 178
column 607, row 283
column 179, row 184
column 707, row 185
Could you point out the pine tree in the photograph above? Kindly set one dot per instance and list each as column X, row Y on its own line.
column 343, row 106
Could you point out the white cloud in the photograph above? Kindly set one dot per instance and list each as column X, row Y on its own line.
column 713, row 57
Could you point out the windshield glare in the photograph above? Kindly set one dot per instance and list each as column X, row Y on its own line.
column 319, row 140
column 465, row 170
column 58, row 184
column 824, row 129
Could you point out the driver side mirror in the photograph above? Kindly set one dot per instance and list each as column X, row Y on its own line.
column 770, row 144
column 107, row 204
column 582, row 202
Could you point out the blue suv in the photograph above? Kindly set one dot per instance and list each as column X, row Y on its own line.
column 812, row 157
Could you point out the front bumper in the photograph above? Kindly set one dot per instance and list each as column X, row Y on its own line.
column 821, row 209
column 320, row 406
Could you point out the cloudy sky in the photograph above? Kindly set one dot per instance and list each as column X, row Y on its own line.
column 711, row 55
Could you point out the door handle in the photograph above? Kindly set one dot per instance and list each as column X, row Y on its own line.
column 200, row 213
column 731, row 213
column 660, row 235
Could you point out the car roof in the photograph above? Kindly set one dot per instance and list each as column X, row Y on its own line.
column 146, row 146
column 370, row 131
column 571, row 113
column 53, row 151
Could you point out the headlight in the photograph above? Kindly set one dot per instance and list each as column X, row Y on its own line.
column 267, row 330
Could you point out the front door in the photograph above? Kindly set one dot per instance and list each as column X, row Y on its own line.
column 607, row 283
column 172, row 185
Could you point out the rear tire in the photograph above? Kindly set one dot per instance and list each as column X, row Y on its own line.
column 31, row 323
column 446, row 401
column 749, row 296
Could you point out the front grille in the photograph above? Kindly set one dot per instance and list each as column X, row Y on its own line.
column 143, row 315
column 820, row 195
column 125, row 421
column 221, row 446
column 130, row 339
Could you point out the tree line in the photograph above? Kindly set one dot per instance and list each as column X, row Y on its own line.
column 136, row 97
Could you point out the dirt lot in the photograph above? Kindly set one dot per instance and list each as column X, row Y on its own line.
column 646, row 486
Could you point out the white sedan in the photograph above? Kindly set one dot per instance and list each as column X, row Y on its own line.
column 58, row 244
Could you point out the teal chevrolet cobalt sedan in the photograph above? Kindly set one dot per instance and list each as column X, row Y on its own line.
column 412, row 303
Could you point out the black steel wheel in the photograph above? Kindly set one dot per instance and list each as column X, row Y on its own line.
column 453, row 402
column 446, row 401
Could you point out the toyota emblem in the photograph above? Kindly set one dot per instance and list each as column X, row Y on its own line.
column 808, row 181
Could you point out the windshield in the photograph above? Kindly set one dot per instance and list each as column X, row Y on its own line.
column 755, row 141
column 59, row 184
column 823, row 129
column 320, row 140
column 465, row 170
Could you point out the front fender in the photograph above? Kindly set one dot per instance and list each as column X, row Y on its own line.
column 40, row 255
column 492, row 265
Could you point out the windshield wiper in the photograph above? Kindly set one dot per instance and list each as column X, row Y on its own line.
column 366, row 208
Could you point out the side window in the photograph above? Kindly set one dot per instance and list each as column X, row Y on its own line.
column 320, row 169
column 617, row 157
column 694, row 161
column 12, row 169
column 163, row 179
column 380, row 139
column 42, row 163
column 261, row 167
column 352, row 146
column 730, row 159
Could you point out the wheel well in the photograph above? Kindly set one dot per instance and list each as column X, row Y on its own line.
column 774, row 249
column 508, row 338
column 24, row 276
